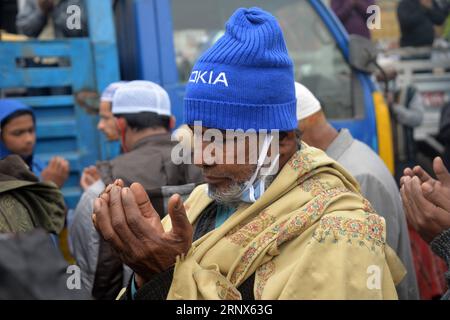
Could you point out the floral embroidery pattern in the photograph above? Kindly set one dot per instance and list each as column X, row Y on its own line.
column 296, row 225
column 303, row 161
column 263, row 273
column 368, row 231
column 368, row 206
column 314, row 185
column 226, row 292
column 243, row 235
column 285, row 230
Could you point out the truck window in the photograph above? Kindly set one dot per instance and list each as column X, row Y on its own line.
column 319, row 63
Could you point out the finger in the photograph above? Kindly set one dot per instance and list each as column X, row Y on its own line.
column 136, row 220
column 103, row 222
column 119, row 183
column 417, row 196
column 415, row 216
column 410, row 217
column 105, row 197
column 52, row 162
column 441, row 171
column 96, row 175
column 427, row 222
column 418, row 218
column 408, row 172
column 434, row 193
column 423, row 176
column 108, row 188
column 143, row 201
column 118, row 220
column 93, row 171
column 178, row 216
column 66, row 165
column 57, row 164
column 402, row 180
column 89, row 180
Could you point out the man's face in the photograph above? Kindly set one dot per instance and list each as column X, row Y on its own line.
column 225, row 180
column 19, row 135
column 302, row 126
column 107, row 123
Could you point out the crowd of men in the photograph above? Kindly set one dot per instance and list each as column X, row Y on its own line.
column 310, row 212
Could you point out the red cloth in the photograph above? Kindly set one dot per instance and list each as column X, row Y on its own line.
column 430, row 268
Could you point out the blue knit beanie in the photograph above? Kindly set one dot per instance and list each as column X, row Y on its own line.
column 246, row 79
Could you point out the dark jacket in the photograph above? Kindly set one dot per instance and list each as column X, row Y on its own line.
column 149, row 163
column 32, row 268
column 444, row 133
column 26, row 203
column 31, row 20
column 441, row 246
column 417, row 22
column 353, row 15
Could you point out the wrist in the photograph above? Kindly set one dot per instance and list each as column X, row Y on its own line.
column 139, row 281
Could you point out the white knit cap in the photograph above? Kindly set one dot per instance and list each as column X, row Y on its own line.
column 307, row 103
column 108, row 93
column 141, row 96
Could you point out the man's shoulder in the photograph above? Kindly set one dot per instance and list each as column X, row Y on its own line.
column 198, row 195
column 361, row 160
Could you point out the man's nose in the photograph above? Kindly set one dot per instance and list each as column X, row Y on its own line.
column 29, row 138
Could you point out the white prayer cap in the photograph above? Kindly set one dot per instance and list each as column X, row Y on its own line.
column 141, row 96
column 307, row 103
column 108, row 93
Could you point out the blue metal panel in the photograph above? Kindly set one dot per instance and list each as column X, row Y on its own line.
column 333, row 24
column 37, row 77
column 13, row 75
column 106, row 61
column 169, row 72
column 63, row 127
column 46, row 49
column 155, row 50
column 147, row 41
column 49, row 101
column 54, row 128
column 87, row 133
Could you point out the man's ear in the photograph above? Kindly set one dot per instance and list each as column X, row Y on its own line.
column 172, row 122
column 288, row 143
column 121, row 124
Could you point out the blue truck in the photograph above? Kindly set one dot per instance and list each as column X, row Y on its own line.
column 159, row 40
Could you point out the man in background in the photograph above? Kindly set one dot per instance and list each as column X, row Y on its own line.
column 417, row 19
column 353, row 15
column 376, row 182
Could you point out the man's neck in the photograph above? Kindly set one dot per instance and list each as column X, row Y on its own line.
column 322, row 136
column 136, row 136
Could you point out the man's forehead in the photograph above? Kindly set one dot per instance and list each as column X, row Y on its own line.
column 203, row 129
column 24, row 121
column 105, row 106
